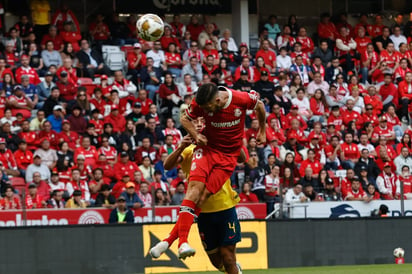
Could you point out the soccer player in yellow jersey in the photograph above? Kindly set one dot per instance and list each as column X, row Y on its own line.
column 218, row 224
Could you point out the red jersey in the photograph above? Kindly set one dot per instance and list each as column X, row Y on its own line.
column 12, row 58
column 177, row 135
column 2, row 105
column 375, row 30
column 52, row 136
column 405, row 89
column 392, row 120
column 68, row 91
column 118, row 122
column 65, row 176
column 350, row 151
column 307, row 44
column 305, row 57
column 110, row 152
column 354, row 194
column 70, row 137
column 71, row 74
column 387, row 90
column 267, row 55
column 102, row 33
column 337, row 121
column 327, row 31
column 289, row 117
column 7, row 159
column 316, row 167
column 351, row 115
column 389, row 149
column 71, row 37
column 391, row 59
column 89, row 154
column 387, row 132
column 22, row 102
column 100, row 105
column 400, row 72
column 30, row 201
column 407, row 183
column 362, row 43
column 145, row 105
column 23, row 158
column 370, row 118
column 118, row 188
column 224, row 129
column 374, row 58
column 121, row 169
column 132, row 58
column 212, row 52
column 251, row 198
column 171, row 58
column 375, row 101
column 31, row 139
column 166, row 41
column 31, row 72
column 57, row 41
column 7, row 204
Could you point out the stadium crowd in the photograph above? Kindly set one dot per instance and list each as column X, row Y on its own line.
column 338, row 103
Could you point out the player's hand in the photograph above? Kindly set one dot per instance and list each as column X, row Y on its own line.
column 186, row 141
column 261, row 137
column 201, row 139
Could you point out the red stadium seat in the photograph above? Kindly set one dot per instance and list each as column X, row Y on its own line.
column 18, row 183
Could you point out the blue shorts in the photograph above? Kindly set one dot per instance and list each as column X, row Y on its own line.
column 218, row 229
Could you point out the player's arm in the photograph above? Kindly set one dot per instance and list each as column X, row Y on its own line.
column 175, row 158
column 261, row 115
column 190, row 128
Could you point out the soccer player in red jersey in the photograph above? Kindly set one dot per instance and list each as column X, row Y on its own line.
column 218, row 148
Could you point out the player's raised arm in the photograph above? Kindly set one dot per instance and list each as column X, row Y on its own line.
column 261, row 115
column 175, row 157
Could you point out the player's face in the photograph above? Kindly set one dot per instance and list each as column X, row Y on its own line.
column 212, row 105
column 199, row 124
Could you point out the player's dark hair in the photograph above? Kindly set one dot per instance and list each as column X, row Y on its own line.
column 206, row 93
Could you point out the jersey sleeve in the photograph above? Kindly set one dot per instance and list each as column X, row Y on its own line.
column 248, row 100
column 193, row 111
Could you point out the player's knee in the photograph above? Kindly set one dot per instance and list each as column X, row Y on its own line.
column 195, row 191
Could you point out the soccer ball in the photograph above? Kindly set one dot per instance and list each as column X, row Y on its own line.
column 399, row 252
column 150, row 27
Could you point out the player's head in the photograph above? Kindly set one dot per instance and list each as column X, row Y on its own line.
column 199, row 123
column 207, row 97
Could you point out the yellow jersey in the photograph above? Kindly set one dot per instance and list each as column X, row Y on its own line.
column 224, row 199
column 40, row 11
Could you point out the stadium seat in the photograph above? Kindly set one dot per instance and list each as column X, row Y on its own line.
column 114, row 58
column 18, row 183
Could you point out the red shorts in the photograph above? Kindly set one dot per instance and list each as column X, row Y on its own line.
column 212, row 167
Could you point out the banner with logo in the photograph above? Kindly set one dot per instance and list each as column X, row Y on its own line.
column 251, row 252
column 348, row 209
column 42, row 217
column 179, row 6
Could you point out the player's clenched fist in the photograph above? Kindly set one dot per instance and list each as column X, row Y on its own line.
column 201, row 139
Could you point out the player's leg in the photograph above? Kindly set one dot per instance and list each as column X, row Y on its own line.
column 188, row 211
column 228, row 257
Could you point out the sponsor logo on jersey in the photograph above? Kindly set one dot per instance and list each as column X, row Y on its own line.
column 226, row 124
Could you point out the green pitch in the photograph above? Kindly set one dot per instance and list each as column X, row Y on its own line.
column 361, row 269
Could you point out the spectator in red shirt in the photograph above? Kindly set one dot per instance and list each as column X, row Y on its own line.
column 349, row 152
column 10, row 201
column 405, row 92
column 246, row 196
column 169, row 94
column 23, row 158
column 388, row 92
column 194, row 27
column 312, row 163
column 326, row 29
column 268, row 55
column 146, row 150
column 136, row 60
column 383, row 130
column 33, row 200
column 118, row 121
column 54, row 37
column 355, row 193
column 306, row 41
column 99, row 30
column 69, row 35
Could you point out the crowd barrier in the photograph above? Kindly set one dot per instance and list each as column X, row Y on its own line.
column 164, row 214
